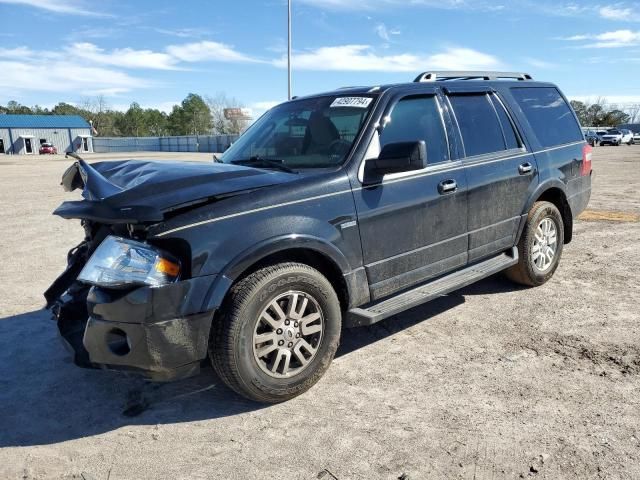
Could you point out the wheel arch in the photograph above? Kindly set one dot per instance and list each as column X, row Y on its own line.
column 554, row 192
column 314, row 252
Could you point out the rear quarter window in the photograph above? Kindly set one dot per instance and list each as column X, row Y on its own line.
column 549, row 115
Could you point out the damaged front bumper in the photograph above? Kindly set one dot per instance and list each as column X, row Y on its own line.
column 159, row 332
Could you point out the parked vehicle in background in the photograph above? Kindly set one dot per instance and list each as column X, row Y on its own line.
column 612, row 137
column 627, row 136
column 48, row 149
column 337, row 209
column 636, row 137
column 591, row 137
column 600, row 134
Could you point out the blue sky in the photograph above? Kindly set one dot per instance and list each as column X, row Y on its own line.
column 156, row 52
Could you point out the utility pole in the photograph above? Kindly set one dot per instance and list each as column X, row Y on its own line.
column 289, row 48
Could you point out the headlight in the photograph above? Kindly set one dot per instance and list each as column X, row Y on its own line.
column 121, row 263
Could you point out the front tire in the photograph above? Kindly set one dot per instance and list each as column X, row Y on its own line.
column 540, row 246
column 277, row 332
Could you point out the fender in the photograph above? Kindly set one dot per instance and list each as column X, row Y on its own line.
column 262, row 250
column 543, row 187
column 537, row 193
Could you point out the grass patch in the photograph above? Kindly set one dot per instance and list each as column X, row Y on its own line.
column 608, row 216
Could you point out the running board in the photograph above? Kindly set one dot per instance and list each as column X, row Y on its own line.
column 358, row 317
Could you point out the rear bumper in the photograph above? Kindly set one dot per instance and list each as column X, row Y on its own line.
column 161, row 333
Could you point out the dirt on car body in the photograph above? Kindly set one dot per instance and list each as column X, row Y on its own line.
column 493, row 381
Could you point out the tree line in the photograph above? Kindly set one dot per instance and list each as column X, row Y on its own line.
column 195, row 115
column 601, row 113
column 198, row 115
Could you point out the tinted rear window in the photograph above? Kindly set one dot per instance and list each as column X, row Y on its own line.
column 481, row 131
column 549, row 115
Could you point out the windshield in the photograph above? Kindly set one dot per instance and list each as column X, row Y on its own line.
column 613, row 131
column 310, row 133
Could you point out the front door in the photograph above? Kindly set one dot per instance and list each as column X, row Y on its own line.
column 500, row 171
column 28, row 146
column 1, row 145
column 413, row 225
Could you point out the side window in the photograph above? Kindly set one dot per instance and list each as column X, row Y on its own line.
column 507, row 126
column 481, row 132
column 418, row 118
column 549, row 115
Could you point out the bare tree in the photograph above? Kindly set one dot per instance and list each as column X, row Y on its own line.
column 222, row 125
column 97, row 107
column 634, row 112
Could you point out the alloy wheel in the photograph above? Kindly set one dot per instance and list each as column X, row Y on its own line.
column 545, row 244
column 287, row 334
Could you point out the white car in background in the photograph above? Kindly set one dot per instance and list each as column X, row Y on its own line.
column 615, row 136
column 627, row 136
column 636, row 137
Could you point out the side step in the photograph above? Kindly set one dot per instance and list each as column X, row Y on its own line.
column 386, row 308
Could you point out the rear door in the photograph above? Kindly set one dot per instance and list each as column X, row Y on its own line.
column 557, row 141
column 501, row 173
column 413, row 225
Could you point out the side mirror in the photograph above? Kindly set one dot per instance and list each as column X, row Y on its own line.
column 401, row 157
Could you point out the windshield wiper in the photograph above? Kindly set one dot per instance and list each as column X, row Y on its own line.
column 260, row 162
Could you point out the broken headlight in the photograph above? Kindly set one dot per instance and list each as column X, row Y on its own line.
column 121, row 263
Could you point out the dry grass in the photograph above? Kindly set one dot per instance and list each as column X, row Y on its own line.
column 608, row 216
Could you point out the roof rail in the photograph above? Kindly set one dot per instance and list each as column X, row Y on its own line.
column 470, row 75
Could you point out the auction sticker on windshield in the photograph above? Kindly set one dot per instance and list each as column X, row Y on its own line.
column 359, row 102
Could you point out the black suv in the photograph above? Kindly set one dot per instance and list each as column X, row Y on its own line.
column 333, row 210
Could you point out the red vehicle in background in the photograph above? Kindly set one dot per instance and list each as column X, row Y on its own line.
column 48, row 148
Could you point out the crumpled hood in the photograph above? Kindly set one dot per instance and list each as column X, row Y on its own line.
column 139, row 191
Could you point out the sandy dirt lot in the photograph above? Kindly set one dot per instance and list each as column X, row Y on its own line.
column 494, row 381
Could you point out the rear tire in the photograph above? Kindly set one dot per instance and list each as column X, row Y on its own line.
column 540, row 246
column 277, row 332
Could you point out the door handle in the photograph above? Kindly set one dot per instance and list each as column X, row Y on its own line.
column 525, row 168
column 447, row 186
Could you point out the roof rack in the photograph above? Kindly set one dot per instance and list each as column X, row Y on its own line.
column 470, row 75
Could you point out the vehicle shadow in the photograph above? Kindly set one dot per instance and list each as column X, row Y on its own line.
column 356, row 338
column 45, row 399
column 497, row 283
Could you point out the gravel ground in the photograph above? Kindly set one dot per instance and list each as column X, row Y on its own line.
column 491, row 382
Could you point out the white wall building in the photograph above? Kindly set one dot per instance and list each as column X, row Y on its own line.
column 23, row 134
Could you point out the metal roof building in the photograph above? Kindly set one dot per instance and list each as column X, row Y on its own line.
column 634, row 127
column 24, row 134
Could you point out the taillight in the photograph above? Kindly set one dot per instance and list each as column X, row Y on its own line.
column 587, row 150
